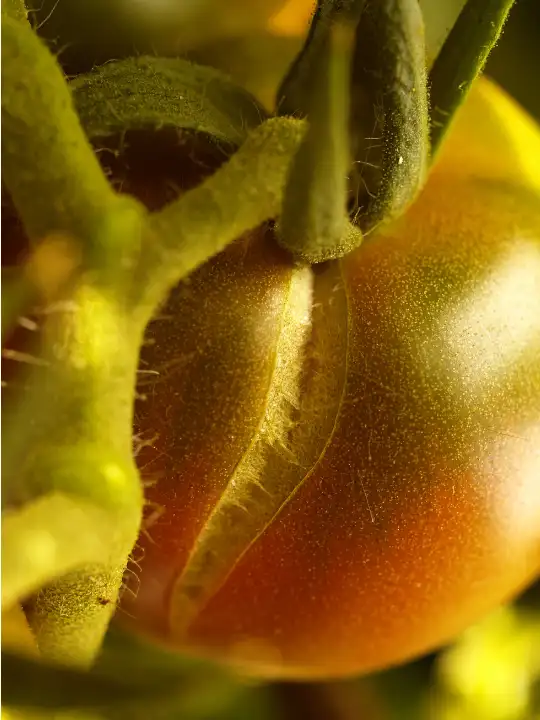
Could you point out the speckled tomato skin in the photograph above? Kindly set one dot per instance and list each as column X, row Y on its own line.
column 212, row 346
column 424, row 510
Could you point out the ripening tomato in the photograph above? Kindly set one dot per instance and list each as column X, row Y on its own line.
column 343, row 462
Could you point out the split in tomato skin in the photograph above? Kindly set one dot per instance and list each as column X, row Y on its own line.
column 204, row 378
column 422, row 510
column 425, row 510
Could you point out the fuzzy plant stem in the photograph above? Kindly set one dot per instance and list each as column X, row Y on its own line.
column 314, row 218
column 242, row 194
column 70, row 433
column 77, row 445
column 71, row 490
column 61, row 177
column 462, row 58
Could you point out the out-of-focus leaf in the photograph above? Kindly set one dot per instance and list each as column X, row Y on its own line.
column 257, row 62
column 196, row 694
column 16, row 633
column 489, row 673
column 403, row 689
column 90, row 32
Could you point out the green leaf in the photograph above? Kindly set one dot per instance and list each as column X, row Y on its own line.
column 149, row 92
column 192, row 693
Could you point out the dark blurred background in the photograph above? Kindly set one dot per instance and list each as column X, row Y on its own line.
column 515, row 62
column 236, row 36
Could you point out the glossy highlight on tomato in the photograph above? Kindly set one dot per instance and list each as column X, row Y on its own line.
column 343, row 462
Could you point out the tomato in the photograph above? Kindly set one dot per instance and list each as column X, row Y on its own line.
column 343, row 462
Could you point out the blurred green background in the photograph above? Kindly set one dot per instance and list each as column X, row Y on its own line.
column 493, row 671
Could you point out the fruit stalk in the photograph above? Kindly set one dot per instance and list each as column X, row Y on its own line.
column 462, row 58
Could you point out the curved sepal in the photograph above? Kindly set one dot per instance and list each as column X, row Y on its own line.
column 149, row 92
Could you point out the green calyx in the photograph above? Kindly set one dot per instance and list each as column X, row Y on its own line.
column 390, row 76
column 372, row 130
column 361, row 82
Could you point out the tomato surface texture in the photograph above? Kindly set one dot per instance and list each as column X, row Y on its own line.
column 343, row 462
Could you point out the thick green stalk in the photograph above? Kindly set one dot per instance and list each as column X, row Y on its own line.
column 78, row 444
column 70, row 430
column 48, row 166
column 242, row 194
column 314, row 218
column 313, row 223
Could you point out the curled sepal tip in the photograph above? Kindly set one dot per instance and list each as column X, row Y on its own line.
column 389, row 117
column 388, row 124
column 153, row 93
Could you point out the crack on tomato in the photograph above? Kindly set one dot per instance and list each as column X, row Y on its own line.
column 299, row 420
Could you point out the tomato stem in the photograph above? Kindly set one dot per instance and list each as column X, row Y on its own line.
column 462, row 58
column 313, row 217
column 49, row 168
column 295, row 94
column 245, row 192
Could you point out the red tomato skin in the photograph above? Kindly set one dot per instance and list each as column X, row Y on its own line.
column 205, row 368
column 424, row 510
